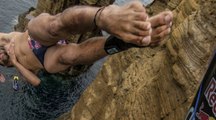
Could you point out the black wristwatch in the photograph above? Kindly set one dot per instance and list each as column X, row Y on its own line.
column 115, row 45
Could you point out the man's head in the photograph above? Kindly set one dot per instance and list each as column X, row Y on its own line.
column 4, row 57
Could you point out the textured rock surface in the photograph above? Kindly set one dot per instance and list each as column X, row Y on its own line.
column 149, row 84
column 159, row 83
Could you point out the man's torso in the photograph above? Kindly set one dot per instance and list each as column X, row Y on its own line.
column 24, row 53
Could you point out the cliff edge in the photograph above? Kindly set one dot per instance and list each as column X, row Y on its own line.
column 150, row 83
column 159, row 83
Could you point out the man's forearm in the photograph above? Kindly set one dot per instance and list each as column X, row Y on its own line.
column 30, row 77
column 91, row 50
column 98, row 47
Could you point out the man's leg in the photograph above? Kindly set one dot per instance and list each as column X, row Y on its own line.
column 160, row 26
column 127, row 22
column 59, row 58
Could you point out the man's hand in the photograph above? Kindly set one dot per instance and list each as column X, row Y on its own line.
column 128, row 22
column 10, row 52
column 161, row 24
column 29, row 75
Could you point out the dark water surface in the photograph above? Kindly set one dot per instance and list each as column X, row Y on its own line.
column 9, row 11
column 56, row 95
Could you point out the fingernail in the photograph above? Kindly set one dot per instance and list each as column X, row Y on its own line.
column 146, row 40
column 169, row 30
column 170, row 24
column 145, row 17
column 150, row 31
column 148, row 26
column 167, row 18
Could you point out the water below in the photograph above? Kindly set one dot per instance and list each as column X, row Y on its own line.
column 56, row 94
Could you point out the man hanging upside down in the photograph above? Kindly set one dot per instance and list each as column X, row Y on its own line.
column 43, row 45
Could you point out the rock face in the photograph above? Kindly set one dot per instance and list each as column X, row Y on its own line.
column 151, row 83
column 159, row 83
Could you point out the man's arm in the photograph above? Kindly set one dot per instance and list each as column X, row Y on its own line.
column 59, row 58
column 49, row 29
column 30, row 77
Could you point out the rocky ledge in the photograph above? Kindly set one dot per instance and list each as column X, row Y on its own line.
column 151, row 83
column 159, row 83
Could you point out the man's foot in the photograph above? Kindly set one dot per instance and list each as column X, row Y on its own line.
column 131, row 23
column 128, row 22
column 161, row 27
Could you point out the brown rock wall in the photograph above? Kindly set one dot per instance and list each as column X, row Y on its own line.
column 184, row 9
column 148, row 84
column 155, row 84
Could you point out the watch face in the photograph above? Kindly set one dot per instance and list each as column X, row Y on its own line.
column 112, row 50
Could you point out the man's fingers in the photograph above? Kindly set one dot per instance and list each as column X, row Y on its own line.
column 140, row 16
column 136, row 6
column 12, row 40
column 137, row 40
column 160, row 36
column 161, row 19
column 142, row 25
column 160, row 29
column 10, row 50
column 142, row 33
column 146, row 41
column 131, row 38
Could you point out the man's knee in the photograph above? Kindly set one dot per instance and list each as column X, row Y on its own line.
column 56, row 26
column 46, row 23
column 70, row 54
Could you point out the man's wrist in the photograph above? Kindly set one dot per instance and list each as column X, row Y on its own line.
column 102, row 17
column 97, row 15
column 15, row 63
